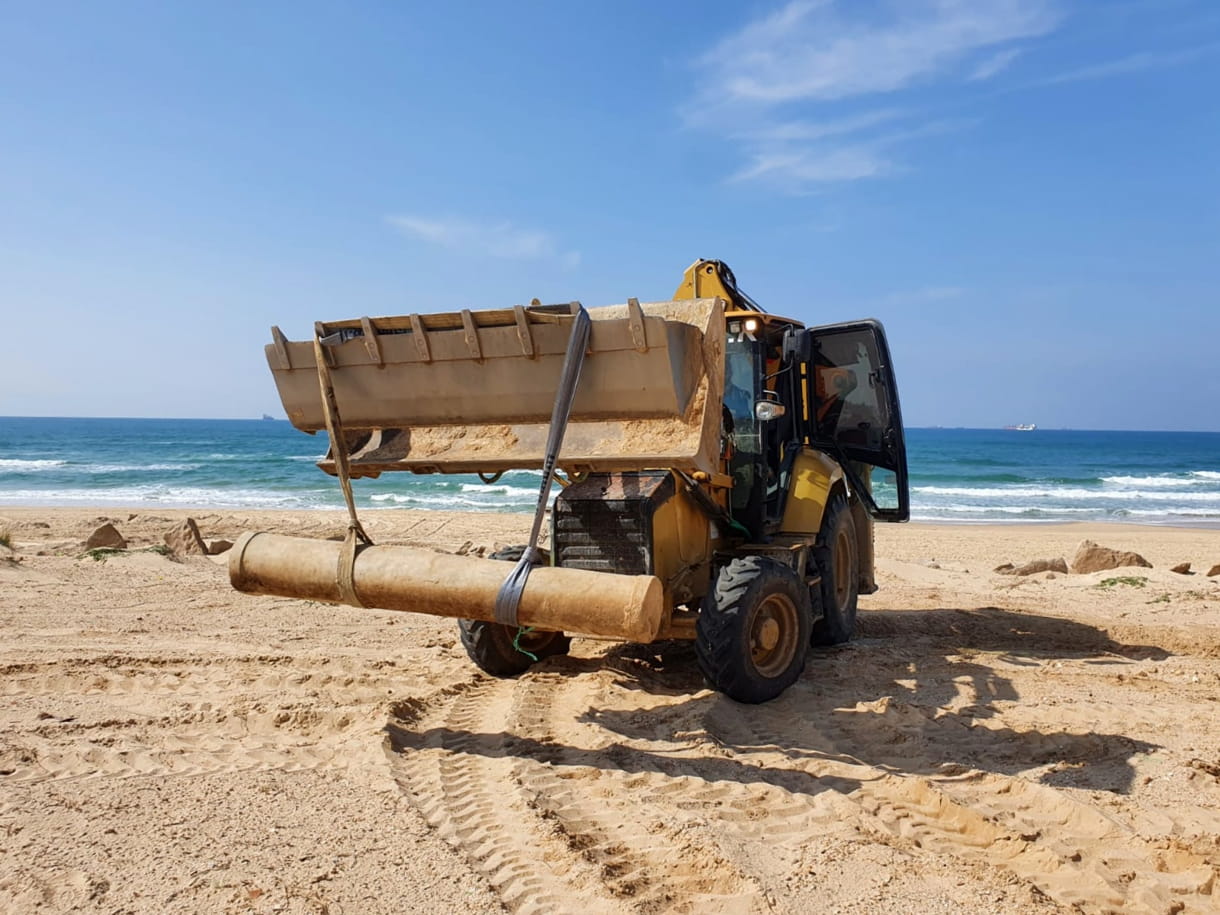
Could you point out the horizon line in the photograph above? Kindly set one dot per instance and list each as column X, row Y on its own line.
column 269, row 418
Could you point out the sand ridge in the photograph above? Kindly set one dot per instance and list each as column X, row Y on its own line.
column 992, row 744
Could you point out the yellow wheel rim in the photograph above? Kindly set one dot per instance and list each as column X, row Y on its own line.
column 773, row 635
column 843, row 571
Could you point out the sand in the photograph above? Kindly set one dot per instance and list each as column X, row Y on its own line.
column 989, row 744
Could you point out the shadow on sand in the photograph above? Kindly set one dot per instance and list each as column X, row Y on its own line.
column 914, row 696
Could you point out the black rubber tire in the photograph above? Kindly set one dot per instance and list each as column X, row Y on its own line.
column 837, row 557
column 490, row 645
column 732, row 630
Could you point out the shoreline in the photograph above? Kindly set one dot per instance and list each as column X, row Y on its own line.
column 186, row 510
column 984, row 545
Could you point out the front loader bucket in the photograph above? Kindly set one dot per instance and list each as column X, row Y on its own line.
column 467, row 392
column 628, row 607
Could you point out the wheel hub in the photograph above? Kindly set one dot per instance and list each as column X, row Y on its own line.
column 768, row 635
column 773, row 635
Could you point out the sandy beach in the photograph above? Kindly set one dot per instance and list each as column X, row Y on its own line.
column 990, row 743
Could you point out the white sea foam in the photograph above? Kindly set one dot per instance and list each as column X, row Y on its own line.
column 1013, row 509
column 183, row 497
column 135, row 468
column 442, row 501
column 522, row 491
column 1154, row 482
column 1206, row 474
column 942, row 519
column 20, row 465
column 1066, row 492
column 1172, row 512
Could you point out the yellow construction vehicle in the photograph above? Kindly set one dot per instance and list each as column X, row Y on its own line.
column 722, row 468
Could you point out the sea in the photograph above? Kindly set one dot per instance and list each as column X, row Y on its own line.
column 956, row 475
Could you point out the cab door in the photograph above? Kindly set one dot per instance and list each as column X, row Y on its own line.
column 854, row 414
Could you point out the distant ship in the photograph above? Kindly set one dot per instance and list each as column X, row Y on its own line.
column 1023, row 427
column 268, row 418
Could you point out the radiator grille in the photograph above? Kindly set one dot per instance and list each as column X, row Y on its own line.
column 604, row 523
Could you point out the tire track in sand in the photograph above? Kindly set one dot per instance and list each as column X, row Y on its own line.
column 621, row 817
column 126, row 717
column 452, row 759
column 1070, row 851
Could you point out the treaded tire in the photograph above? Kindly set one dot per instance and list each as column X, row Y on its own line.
column 753, row 629
column 490, row 645
column 836, row 554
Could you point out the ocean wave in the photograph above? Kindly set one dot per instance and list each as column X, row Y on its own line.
column 20, row 465
column 442, row 501
column 1206, row 474
column 1012, row 510
column 1033, row 492
column 173, row 497
column 1161, row 481
column 931, row 518
column 135, row 468
column 1173, row 512
column 966, row 521
column 523, row 491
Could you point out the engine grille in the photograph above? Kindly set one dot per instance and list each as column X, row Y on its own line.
column 604, row 523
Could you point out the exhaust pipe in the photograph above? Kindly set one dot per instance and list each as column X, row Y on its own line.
column 627, row 607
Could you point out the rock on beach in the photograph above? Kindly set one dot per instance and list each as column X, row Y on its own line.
column 1092, row 557
column 106, row 536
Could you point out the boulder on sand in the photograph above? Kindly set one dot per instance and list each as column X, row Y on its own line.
column 184, row 540
column 1034, row 566
column 1182, row 568
column 106, row 537
column 1213, row 571
column 1091, row 557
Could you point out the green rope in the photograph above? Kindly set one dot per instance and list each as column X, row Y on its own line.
column 739, row 527
column 523, row 630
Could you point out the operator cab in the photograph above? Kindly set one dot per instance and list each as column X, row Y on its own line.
column 831, row 388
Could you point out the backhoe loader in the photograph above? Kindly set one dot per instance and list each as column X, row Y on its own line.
column 721, row 469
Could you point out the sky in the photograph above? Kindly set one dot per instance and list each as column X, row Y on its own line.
column 1025, row 192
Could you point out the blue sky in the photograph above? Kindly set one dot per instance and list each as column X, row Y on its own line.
column 1026, row 192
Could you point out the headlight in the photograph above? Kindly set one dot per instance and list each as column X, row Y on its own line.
column 766, row 410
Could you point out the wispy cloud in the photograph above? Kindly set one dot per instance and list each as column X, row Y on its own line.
column 815, row 166
column 1132, row 63
column 807, row 130
column 809, row 50
column 990, row 66
column 496, row 239
column 783, row 80
column 780, row 158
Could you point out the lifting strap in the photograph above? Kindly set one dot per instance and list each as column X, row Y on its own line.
column 344, row 573
column 509, row 597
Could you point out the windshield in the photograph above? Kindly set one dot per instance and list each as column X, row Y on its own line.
column 742, row 378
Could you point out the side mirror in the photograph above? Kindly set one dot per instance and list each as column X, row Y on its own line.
column 798, row 345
